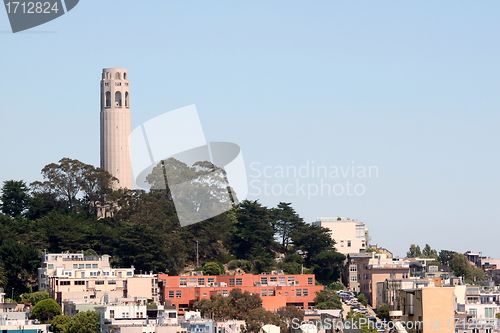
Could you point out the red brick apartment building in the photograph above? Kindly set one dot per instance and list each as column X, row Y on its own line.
column 275, row 290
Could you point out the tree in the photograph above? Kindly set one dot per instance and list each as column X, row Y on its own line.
column 414, row 251
column 285, row 220
column 84, row 322
column 327, row 266
column 446, row 256
column 288, row 313
column 45, row 310
column 239, row 263
column 337, row 285
column 34, row 298
column 383, row 312
column 218, row 307
column 258, row 318
column 243, row 302
column 359, row 320
column 236, row 306
column 460, row 266
column 253, row 236
column 14, row 197
column 21, row 263
column 312, row 240
column 362, row 299
column 327, row 299
column 71, row 179
column 212, row 268
column 60, row 324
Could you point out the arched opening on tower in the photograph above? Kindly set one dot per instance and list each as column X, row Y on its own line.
column 124, row 76
column 118, row 76
column 108, row 75
column 118, row 99
column 127, row 99
column 107, row 99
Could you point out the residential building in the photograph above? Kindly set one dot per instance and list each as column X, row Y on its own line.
column 276, row 290
column 426, row 310
column 351, row 236
column 386, row 290
column 131, row 318
column 480, row 304
column 17, row 322
column 377, row 269
column 91, row 279
column 350, row 274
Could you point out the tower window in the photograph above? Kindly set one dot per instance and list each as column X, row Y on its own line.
column 108, row 75
column 118, row 76
column 126, row 99
column 118, row 99
column 108, row 99
column 124, row 76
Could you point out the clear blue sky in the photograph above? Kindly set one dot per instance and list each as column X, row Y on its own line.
column 411, row 88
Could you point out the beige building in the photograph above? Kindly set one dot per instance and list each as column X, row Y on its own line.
column 82, row 279
column 377, row 269
column 351, row 236
column 427, row 310
column 386, row 291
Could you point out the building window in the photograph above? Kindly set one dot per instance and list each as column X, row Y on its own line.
column 281, row 280
column 94, row 265
column 118, row 99
column 170, row 294
column 88, row 265
column 79, row 283
column 305, row 292
column 117, row 75
column 192, row 280
column 348, row 243
column 353, row 279
column 65, row 283
column 50, row 266
column 183, row 282
column 130, row 273
column 211, row 280
column 111, row 314
column 112, row 282
column 298, row 292
column 178, row 293
column 239, row 281
column 273, row 279
column 353, row 268
column 75, row 266
column 291, row 278
column 488, row 312
column 263, row 280
column 81, row 266
column 263, row 292
column 310, row 280
column 270, row 292
column 231, row 282
column 99, row 282
column 127, row 104
column 225, row 292
column 107, row 99
column 201, row 281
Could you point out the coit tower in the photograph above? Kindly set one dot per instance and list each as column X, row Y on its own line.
column 115, row 126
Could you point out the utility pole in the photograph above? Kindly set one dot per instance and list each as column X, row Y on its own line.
column 197, row 256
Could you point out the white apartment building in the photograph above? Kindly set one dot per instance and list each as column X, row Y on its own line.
column 83, row 279
column 351, row 236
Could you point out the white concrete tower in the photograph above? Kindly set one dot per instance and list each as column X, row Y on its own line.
column 115, row 125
